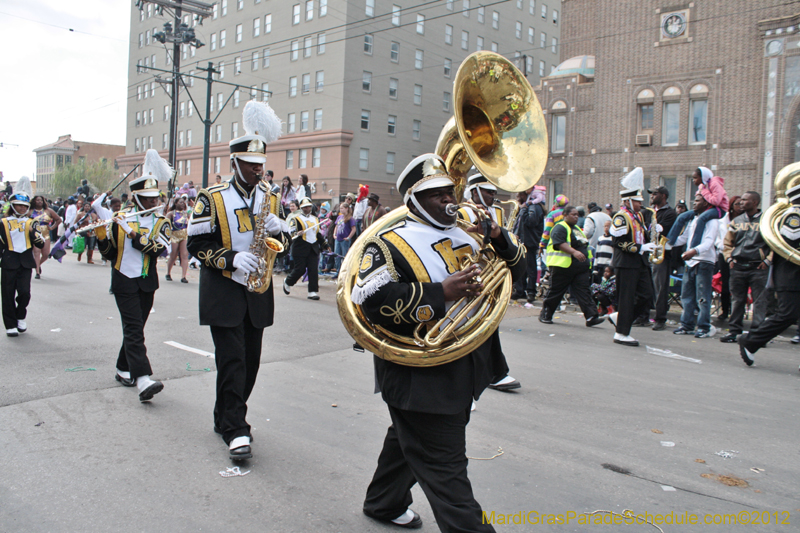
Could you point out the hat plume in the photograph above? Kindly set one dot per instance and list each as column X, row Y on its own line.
column 260, row 119
column 157, row 166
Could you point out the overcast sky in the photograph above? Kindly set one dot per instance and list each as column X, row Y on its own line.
column 57, row 81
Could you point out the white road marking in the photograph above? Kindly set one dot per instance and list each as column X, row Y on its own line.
column 188, row 348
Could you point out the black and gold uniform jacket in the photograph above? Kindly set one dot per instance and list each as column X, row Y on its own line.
column 624, row 227
column 133, row 258
column 18, row 236
column 399, row 286
column 221, row 225
column 785, row 274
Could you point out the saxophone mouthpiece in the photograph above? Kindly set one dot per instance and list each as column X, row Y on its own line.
column 451, row 209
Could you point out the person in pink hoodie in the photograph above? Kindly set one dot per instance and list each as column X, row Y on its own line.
column 712, row 188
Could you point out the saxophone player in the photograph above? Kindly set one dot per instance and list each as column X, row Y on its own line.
column 221, row 232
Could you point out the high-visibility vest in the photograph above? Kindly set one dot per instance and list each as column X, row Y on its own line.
column 555, row 257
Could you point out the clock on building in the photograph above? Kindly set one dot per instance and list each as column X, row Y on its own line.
column 673, row 25
column 774, row 47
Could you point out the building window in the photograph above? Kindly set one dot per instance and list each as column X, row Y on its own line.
column 417, row 94
column 519, row 4
column 392, row 125
column 393, row 88
column 303, row 158
column 164, row 141
column 292, row 86
column 323, row 8
column 446, row 102
column 646, row 117
column 238, row 33
column 295, row 14
column 309, row 10
column 253, row 92
column 448, row 66
column 495, row 20
column 254, row 61
column 256, row 27
column 554, row 45
column 541, row 69
column 180, row 168
column 418, row 59
column 363, row 159
column 320, row 43
column 369, row 10
column 166, row 113
column 531, row 34
column 289, row 159
column 316, row 156
column 307, row 46
column 306, row 83
column 698, row 112
column 139, row 117
column 218, row 136
column 494, row 47
column 518, row 29
column 141, row 40
column 671, row 123
column 182, row 109
column 479, row 45
column 239, row 5
column 220, row 101
column 265, row 58
column 464, row 40
column 465, row 8
column 542, row 40
column 295, row 51
column 544, row 11
column 481, row 14
column 290, row 123
column 420, row 24
column 390, row 162
column 224, row 8
column 449, row 5
column 365, row 120
column 395, row 52
column 237, row 66
column 234, row 130
column 366, row 82
column 528, row 65
column 555, row 17
column 320, row 80
column 318, row 119
column 268, row 23
column 395, row 15
column 188, row 167
column 265, row 92
column 415, row 130
column 135, row 145
column 368, row 44
column 532, row 7
column 236, row 98
column 223, row 35
column 559, row 133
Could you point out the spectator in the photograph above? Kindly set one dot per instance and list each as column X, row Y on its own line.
column 595, row 220
column 680, row 207
column 287, row 193
column 605, row 292
column 192, row 192
column 749, row 258
column 665, row 217
column 69, row 218
column 218, row 180
column 605, row 249
column 179, row 217
column 303, row 190
column 374, row 209
column 712, row 188
column 330, row 236
column 696, row 286
column 360, row 208
column 570, row 263
column 531, row 226
column 345, row 231
column 610, row 210
column 723, row 268
column 89, row 237
column 555, row 216
column 581, row 216
column 9, row 190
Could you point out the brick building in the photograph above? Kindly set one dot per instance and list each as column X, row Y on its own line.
column 670, row 86
column 65, row 151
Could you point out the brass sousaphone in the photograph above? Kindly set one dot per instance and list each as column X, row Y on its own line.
column 788, row 177
column 499, row 128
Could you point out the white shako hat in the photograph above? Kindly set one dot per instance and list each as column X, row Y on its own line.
column 261, row 127
column 424, row 172
column 479, row 180
column 633, row 185
column 306, row 202
column 793, row 194
column 154, row 170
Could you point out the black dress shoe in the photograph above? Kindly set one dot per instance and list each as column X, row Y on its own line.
column 544, row 320
column 729, row 337
column 218, row 431
column 168, row 277
column 595, row 320
column 415, row 523
column 627, row 343
column 517, row 296
column 241, row 453
column 505, row 387
column 148, row 393
column 639, row 323
column 127, row 382
column 659, row 326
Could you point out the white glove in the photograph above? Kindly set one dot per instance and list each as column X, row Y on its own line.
column 649, row 247
column 275, row 225
column 659, row 228
column 246, row 262
column 124, row 225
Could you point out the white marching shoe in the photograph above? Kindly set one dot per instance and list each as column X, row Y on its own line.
column 12, row 332
column 22, row 326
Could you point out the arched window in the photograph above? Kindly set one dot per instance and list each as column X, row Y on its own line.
column 670, row 116
column 698, row 113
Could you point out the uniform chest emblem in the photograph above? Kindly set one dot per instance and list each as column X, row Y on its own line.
column 424, row 313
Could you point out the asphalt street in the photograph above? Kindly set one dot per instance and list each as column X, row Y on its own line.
column 595, row 426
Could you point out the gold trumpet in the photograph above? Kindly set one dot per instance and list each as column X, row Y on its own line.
column 499, row 128
column 788, row 177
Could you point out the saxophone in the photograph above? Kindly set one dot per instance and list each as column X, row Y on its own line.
column 264, row 246
column 657, row 256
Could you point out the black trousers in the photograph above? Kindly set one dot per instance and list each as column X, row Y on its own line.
column 661, row 286
column 560, row 280
column 238, row 357
column 725, row 296
column 634, row 295
column 304, row 258
column 134, row 308
column 429, row 449
column 527, row 283
column 16, row 294
column 787, row 315
column 740, row 282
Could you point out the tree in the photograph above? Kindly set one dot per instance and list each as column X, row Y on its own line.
column 100, row 174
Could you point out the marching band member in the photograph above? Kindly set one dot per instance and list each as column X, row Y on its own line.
column 630, row 260
column 305, row 249
column 133, row 244
column 410, row 274
column 482, row 192
column 18, row 235
column 785, row 277
column 221, row 231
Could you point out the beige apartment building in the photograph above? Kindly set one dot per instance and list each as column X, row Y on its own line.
column 362, row 85
column 66, row 151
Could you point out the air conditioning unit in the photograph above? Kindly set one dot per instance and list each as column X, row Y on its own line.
column 644, row 139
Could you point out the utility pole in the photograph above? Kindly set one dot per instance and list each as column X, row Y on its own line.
column 207, row 121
